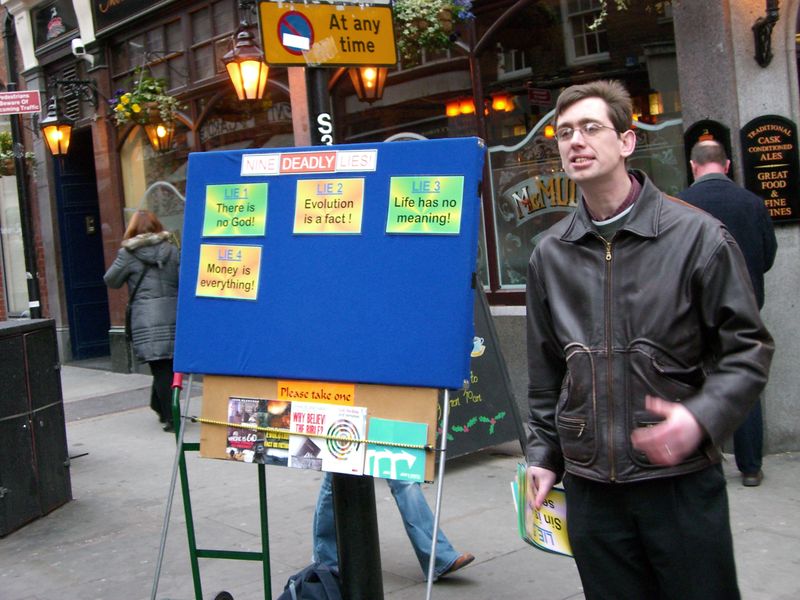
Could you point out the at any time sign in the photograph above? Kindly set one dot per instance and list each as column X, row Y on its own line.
column 327, row 35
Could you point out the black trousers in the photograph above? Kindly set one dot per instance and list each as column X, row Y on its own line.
column 665, row 539
column 161, row 390
column 748, row 441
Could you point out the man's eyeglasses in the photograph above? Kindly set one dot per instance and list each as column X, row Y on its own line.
column 588, row 130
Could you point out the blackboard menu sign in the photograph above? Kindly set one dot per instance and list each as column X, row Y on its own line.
column 703, row 131
column 770, row 160
column 485, row 413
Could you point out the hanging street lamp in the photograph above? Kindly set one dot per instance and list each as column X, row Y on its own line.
column 368, row 82
column 160, row 135
column 57, row 129
column 245, row 62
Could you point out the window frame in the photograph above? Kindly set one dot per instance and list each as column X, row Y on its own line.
column 569, row 36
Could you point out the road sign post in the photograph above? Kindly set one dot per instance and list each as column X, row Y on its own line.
column 317, row 36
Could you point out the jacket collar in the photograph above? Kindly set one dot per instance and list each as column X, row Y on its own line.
column 710, row 177
column 642, row 220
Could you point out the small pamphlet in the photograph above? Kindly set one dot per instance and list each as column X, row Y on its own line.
column 341, row 450
column 247, row 444
column 545, row 528
column 391, row 461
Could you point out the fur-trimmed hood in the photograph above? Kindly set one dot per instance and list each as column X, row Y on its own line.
column 152, row 248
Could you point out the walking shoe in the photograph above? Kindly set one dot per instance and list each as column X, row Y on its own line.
column 752, row 479
column 460, row 562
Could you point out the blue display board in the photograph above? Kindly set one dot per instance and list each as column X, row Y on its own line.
column 334, row 263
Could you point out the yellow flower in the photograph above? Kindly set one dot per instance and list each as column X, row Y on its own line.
column 125, row 98
column 136, row 108
column 119, row 108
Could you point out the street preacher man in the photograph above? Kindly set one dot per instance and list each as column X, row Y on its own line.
column 645, row 352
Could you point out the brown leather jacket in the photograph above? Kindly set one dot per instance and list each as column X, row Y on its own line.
column 665, row 308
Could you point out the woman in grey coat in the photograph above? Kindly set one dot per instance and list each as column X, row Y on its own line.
column 148, row 254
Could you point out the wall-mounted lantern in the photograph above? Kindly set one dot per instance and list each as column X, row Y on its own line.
column 57, row 128
column 160, row 135
column 368, row 82
column 245, row 61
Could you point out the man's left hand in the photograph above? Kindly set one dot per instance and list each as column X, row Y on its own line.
column 672, row 440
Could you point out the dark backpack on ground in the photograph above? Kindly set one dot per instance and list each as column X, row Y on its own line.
column 315, row 582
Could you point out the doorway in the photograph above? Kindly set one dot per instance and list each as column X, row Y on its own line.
column 78, row 209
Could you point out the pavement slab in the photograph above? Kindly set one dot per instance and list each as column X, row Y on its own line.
column 104, row 544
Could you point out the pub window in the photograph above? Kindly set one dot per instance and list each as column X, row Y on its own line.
column 511, row 63
column 584, row 45
column 160, row 49
column 211, row 29
column 12, row 269
column 427, row 56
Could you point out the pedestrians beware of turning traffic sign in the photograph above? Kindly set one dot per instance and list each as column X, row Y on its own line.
column 327, row 35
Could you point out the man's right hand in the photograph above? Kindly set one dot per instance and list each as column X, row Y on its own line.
column 541, row 481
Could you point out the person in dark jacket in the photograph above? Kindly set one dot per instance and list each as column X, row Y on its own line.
column 645, row 351
column 747, row 218
column 148, row 262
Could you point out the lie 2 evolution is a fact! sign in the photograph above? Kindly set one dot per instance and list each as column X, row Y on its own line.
column 350, row 263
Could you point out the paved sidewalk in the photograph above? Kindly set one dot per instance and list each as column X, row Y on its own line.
column 103, row 545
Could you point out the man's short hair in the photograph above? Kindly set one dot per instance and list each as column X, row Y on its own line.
column 611, row 91
column 707, row 151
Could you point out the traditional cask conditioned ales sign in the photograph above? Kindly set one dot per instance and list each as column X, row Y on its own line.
column 770, row 161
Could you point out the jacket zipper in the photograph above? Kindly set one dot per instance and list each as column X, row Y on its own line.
column 611, row 462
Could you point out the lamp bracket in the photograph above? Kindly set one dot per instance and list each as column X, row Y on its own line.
column 83, row 89
column 762, row 32
column 247, row 8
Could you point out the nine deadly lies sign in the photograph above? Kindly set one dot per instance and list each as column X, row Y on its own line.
column 345, row 263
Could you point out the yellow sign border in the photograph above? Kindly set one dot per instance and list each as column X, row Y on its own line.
column 325, row 51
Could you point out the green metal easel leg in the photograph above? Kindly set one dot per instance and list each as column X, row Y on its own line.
column 187, row 511
column 187, row 501
column 196, row 553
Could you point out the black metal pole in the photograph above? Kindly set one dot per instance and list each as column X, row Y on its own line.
column 29, row 250
column 354, row 508
column 357, row 537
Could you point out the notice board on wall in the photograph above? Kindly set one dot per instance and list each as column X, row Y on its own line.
column 336, row 263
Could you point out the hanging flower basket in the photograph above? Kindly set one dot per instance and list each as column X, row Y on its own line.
column 445, row 18
column 147, row 102
column 427, row 24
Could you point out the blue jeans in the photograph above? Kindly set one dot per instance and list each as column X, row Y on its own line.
column 417, row 519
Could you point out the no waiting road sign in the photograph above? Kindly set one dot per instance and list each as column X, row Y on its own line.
column 295, row 33
column 14, row 103
column 327, row 35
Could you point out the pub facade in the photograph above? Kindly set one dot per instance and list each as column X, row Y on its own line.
column 690, row 67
